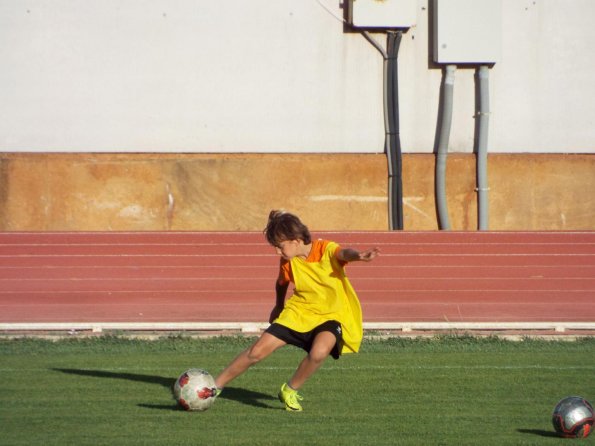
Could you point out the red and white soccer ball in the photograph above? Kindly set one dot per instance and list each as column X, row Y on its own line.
column 195, row 390
column 573, row 417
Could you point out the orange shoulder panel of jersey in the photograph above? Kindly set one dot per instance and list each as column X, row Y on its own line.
column 318, row 248
column 316, row 253
column 285, row 274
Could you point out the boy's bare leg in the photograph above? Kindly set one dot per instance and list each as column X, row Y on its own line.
column 262, row 348
column 321, row 348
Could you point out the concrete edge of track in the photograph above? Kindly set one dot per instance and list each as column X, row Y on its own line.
column 372, row 330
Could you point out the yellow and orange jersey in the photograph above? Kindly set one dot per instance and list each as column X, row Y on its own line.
column 322, row 292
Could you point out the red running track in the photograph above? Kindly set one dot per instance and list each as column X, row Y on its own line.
column 229, row 276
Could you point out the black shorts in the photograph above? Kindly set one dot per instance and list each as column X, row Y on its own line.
column 305, row 340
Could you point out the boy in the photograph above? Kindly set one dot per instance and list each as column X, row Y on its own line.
column 323, row 316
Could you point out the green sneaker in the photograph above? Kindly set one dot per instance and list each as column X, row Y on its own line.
column 291, row 398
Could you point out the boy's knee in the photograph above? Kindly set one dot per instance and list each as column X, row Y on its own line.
column 255, row 354
column 319, row 354
column 322, row 347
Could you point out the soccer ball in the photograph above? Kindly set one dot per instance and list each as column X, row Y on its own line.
column 573, row 417
column 195, row 389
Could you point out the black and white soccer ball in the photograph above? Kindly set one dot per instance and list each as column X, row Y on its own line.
column 573, row 417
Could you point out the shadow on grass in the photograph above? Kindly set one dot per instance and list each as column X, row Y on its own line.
column 248, row 397
column 243, row 396
column 150, row 379
column 539, row 432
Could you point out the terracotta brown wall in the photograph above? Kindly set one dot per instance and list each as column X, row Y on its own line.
column 139, row 192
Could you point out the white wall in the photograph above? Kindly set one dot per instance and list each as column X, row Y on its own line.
column 274, row 76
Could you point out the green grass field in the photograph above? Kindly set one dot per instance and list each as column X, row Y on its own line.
column 443, row 391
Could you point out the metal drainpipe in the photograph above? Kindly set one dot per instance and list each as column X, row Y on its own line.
column 395, row 178
column 482, row 148
column 392, row 143
column 442, row 152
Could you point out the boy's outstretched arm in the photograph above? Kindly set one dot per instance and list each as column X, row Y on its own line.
column 352, row 255
column 280, row 292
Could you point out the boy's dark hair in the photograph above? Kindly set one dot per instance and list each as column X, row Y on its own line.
column 285, row 226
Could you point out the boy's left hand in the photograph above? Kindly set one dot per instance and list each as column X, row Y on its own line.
column 369, row 254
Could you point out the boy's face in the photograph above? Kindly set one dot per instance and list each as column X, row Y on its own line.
column 288, row 249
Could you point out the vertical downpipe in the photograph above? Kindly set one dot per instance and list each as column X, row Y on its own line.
column 392, row 139
column 394, row 133
column 442, row 152
column 482, row 148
